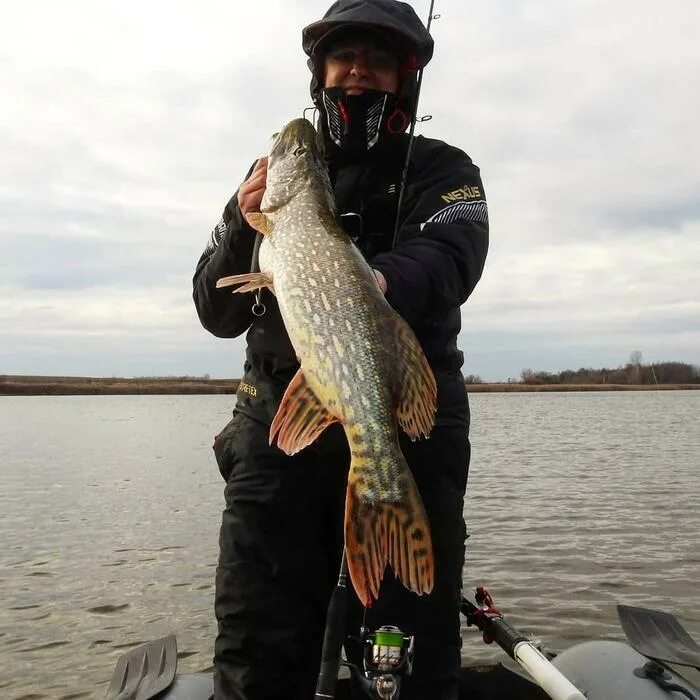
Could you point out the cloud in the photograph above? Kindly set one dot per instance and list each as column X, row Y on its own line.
column 125, row 132
column 581, row 112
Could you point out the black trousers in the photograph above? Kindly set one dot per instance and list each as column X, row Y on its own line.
column 280, row 548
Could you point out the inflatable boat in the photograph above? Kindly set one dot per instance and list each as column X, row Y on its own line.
column 644, row 668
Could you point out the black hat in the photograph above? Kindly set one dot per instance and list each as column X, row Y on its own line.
column 395, row 22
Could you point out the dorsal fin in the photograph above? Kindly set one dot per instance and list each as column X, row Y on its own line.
column 416, row 387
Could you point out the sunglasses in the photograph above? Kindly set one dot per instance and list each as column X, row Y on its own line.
column 374, row 59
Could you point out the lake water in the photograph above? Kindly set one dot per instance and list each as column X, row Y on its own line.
column 110, row 506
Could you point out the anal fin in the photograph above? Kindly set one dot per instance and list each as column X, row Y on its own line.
column 300, row 418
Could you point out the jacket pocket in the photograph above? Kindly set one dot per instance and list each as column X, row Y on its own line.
column 225, row 442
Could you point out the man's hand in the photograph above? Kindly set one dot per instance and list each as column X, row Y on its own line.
column 251, row 192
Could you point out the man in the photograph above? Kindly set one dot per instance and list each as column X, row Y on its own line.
column 281, row 533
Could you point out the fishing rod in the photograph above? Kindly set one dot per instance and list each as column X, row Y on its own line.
column 333, row 637
column 411, row 133
column 335, row 623
column 495, row 629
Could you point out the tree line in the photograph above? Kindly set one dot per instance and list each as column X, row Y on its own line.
column 631, row 373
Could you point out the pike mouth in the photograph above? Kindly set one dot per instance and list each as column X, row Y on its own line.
column 296, row 137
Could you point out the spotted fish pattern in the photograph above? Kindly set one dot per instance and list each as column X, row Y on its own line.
column 360, row 364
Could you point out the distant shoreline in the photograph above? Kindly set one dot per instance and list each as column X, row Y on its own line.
column 19, row 385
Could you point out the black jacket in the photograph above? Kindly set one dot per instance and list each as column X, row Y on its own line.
column 438, row 259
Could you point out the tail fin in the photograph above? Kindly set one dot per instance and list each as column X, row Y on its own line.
column 378, row 532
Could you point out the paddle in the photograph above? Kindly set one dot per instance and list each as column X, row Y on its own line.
column 144, row 671
column 658, row 635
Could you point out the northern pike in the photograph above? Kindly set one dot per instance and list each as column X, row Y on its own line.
column 360, row 363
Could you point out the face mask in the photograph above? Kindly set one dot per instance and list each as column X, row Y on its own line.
column 356, row 123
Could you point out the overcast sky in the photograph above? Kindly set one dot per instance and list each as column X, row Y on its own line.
column 125, row 127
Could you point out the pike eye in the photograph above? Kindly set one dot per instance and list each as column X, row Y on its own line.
column 300, row 151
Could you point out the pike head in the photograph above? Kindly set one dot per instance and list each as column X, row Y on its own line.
column 296, row 165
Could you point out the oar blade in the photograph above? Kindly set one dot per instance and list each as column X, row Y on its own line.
column 658, row 635
column 145, row 671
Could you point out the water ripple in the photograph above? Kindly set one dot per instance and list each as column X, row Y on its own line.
column 108, row 609
column 575, row 503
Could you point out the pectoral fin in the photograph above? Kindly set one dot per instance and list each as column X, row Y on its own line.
column 300, row 418
column 251, row 282
column 259, row 222
column 415, row 381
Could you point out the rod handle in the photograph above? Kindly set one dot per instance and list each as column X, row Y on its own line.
column 547, row 676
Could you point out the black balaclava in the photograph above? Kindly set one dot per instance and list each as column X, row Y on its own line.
column 355, row 124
